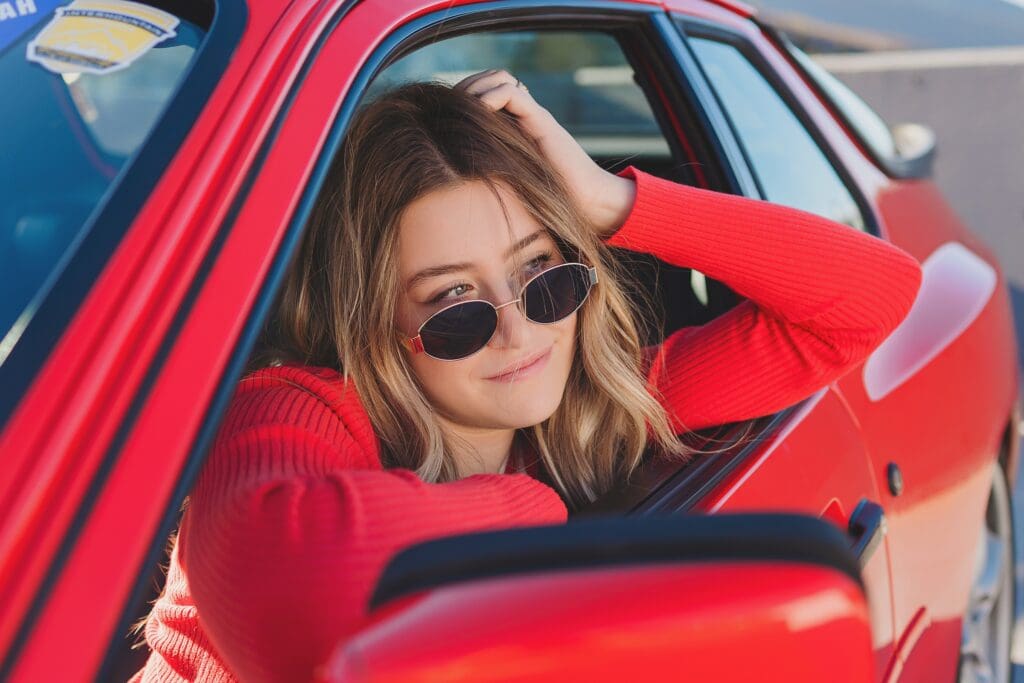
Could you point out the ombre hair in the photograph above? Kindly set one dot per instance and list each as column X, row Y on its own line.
column 339, row 301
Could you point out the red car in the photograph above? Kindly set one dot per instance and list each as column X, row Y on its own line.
column 159, row 164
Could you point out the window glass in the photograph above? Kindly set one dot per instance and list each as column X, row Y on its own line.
column 788, row 163
column 92, row 79
column 581, row 77
column 869, row 124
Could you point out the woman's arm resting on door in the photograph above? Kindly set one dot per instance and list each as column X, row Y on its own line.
column 284, row 541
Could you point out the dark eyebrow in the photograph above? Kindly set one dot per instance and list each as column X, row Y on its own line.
column 525, row 242
column 436, row 271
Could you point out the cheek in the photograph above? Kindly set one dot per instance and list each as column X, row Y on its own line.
column 444, row 383
column 404, row 320
column 565, row 333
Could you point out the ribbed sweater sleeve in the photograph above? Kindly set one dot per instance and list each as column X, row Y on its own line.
column 293, row 519
column 820, row 297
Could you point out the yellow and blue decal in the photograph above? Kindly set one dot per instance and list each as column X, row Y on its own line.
column 99, row 36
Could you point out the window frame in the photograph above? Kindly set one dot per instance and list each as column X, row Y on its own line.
column 691, row 27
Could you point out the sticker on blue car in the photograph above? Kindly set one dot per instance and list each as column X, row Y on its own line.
column 99, row 36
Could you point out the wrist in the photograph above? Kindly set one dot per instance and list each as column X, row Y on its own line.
column 613, row 204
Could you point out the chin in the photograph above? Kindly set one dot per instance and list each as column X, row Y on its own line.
column 525, row 407
column 528, row 417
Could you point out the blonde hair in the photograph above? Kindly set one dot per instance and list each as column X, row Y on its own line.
column 338, row 304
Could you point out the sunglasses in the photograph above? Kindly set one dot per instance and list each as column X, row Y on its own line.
column 462, row 329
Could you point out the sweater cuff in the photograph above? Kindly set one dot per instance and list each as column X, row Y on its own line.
column 656, row 199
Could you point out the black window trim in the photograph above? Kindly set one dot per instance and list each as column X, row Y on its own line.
column 691, row 27
column 659, row 487
column 479, row 16
column 690, row 78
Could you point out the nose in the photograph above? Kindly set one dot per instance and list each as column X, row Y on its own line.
column 513, row 329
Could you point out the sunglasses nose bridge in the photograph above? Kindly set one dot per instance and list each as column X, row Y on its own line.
column 510, row 331
column 519, row 302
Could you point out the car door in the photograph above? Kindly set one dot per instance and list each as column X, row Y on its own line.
column 98, row 214
column 949, row 374
column 935, row 404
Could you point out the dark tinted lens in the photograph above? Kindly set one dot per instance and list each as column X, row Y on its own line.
column 556, row 293
column 459, row 331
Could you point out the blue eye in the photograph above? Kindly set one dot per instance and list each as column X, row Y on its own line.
column 537, row 263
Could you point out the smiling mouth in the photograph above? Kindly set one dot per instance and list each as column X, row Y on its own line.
column 521, row 370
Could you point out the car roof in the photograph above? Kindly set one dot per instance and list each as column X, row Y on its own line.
column 277, row 8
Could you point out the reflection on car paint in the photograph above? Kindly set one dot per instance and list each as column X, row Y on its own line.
column 956, row 286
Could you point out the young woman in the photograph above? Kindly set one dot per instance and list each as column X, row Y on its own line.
column 454, row 351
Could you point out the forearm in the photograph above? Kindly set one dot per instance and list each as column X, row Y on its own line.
column 801, row 267
column 283, row 571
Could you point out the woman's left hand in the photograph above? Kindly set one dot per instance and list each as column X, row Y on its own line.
column 604, row 197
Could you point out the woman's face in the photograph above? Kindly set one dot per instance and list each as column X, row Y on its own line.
column 455, row 244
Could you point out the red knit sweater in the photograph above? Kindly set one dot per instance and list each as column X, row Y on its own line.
column 293, row 518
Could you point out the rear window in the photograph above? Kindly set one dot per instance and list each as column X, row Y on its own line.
column 86, row 82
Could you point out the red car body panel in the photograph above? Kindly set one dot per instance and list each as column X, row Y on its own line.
column 55, row 442
column 946, row 456
column 944, row 440
column 67, row 419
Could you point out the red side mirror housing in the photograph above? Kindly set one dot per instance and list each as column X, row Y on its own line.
column 723, row 619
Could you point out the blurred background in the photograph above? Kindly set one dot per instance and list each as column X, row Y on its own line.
column 957, row 67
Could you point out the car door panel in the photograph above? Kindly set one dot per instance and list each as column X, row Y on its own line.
column 951, row 464
column 817, row 465
column 953, row 403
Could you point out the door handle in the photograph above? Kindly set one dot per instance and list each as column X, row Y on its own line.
column 867, row 527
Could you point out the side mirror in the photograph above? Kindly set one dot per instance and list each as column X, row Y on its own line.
column 915, row 150
column 726, row 598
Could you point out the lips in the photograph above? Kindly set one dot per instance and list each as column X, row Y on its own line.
column 523, row 368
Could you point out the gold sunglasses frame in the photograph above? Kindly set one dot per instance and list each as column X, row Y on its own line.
column 415, row 344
